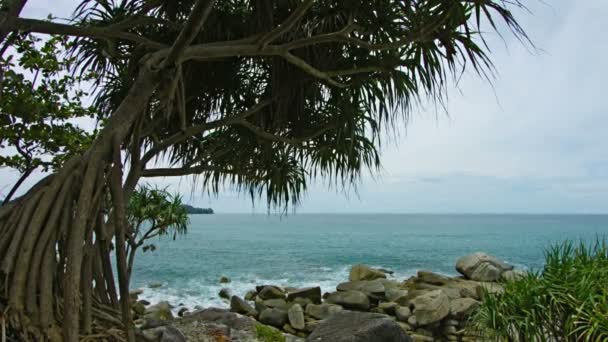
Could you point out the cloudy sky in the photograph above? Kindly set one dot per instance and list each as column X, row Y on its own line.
column 533, row 142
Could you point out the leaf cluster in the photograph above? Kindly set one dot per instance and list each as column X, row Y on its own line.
column 328, row 101
column 566, row 301
column 39, row 104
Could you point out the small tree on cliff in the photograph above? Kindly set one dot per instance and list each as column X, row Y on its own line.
column 263, row 95
column 152, row 213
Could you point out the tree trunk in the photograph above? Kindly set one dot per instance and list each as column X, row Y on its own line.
column 42, row 259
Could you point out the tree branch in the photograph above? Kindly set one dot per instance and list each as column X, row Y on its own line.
column 46, row 27
column 198, row 129
column 193, row 26
column 287, row 25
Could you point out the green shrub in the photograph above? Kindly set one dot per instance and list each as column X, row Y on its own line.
column 566, row 301
column 268, row 334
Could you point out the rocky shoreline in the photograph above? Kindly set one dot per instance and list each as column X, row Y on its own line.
column 370, row 306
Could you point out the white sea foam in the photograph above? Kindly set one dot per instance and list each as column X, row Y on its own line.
column 201, row 293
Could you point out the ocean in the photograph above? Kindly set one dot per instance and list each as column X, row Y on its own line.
column 318, row 249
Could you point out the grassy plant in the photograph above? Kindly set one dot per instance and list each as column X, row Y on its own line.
column 268, row 334
column 566, row 301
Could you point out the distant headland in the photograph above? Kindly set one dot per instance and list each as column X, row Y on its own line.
column 195, row 211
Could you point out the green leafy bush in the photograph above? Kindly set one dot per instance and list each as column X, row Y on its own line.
column 566, row 301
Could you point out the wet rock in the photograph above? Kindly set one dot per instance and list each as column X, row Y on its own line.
column 225, row 293
column 224, row 280
column 364, row 272
column 250, row 295
column 240, row 306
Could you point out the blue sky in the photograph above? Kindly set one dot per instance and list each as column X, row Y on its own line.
column 534, row 142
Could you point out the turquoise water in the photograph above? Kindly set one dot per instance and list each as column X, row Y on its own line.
column 318, row 249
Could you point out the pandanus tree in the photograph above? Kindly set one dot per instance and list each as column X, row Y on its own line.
column 261, row 95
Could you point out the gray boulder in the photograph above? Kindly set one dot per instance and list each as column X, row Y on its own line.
column 463, row 307
column 432, row 278
column 165, row 334
column 403, row 313
column 295, row 314
column 364, row 272
column 271, row 292
column 238, row 305
column 312, row 293
column 159, row 312
column 370, row 287
column 354, row 300
column 431, row 307
column 322, row 311
column 395, row 295
column 513, row 275
column 482, row 267
column 348, row 326
column 275, row 317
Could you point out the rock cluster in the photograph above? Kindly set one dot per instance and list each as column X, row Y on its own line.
column 426, row 307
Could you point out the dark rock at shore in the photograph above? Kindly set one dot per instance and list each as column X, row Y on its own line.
column 271, row 292
column 364, row 272
column 238, row 305
column 351, row 326
column 312, row 293
column 275, row 317
column 225, row 293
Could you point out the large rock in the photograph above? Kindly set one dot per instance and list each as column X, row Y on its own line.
column 354, row 300
column 463, row 307
column 403, row 313
column 370, row 287
column 295, row 314
column 482, row 267
column 322, row 311
column 432, row 278
column 238, row 305
column 312, row 293
column 220, row 317
column 165, row 334
column 275, row 317
column 364, row 272
column 159, row 312
column 431, row 307
column 225, row 293
column 348, row 326
column 396, row 295
column 271, row 292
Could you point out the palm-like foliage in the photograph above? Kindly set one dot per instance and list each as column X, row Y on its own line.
column 330, row 126
column 566, row 301
column 151, row 213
